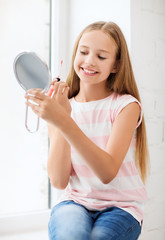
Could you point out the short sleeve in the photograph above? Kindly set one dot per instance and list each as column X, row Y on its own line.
column 120, row 102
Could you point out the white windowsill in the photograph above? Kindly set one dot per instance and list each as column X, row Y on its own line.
column 31, row 226
column 35, row 235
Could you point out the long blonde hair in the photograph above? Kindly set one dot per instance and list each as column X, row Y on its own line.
column 122, row 82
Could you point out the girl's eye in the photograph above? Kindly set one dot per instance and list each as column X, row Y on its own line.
column 83, row 53
column 101, row 58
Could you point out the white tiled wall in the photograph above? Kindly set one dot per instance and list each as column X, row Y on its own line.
column 148, row 57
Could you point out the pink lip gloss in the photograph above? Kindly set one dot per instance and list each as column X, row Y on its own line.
column 51, row 89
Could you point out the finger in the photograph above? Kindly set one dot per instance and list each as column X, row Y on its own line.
column 57, row 86
column 34, row 90
column 54, row 81
column 34, row 107
column 66, row 92
column 36, row 93
column 33, row 98
column 61, row 88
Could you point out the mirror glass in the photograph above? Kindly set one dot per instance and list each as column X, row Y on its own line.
column 31, row 71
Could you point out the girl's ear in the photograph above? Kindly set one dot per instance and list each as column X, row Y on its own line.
column 116, row 67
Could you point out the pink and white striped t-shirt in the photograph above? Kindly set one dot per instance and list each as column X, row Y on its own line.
column 126, row 190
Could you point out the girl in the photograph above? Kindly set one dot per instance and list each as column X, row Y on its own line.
column 98, row 149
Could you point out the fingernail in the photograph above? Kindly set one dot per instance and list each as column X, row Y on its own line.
column 54, row 79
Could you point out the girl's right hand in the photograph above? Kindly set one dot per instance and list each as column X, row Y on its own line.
column 60, row 94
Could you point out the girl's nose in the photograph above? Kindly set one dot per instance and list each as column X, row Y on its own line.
column 90, row 59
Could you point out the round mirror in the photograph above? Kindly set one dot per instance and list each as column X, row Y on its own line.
column 31, row 71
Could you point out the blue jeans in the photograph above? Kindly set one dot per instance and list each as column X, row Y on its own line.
column 72, row 221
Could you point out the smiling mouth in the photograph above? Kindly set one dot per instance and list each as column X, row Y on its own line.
column 87, row 71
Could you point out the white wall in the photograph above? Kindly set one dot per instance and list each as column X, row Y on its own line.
column 74, row 16
column 86, row 12
column 148, row 57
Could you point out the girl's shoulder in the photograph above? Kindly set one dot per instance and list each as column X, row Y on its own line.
column 119, row 102
column 114, row 100
column 122, row 97
column 90, row 103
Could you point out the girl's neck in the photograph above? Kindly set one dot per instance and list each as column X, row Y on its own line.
column 91, row 92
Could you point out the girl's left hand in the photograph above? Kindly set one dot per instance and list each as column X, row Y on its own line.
column 47, row 108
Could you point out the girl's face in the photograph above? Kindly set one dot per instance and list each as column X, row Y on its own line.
column 95, row 57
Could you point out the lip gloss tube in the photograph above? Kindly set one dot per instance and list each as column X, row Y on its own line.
column 51, row 89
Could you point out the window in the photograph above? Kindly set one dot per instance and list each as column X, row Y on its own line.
column 23, row 177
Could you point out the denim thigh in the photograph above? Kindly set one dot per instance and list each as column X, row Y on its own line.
column 115, row 224
column 69, row 221
column 72, row 221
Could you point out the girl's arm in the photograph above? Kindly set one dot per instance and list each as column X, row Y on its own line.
column 105, row 164
column 59, row 160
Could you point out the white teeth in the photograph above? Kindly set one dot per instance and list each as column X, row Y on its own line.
column 88, row 71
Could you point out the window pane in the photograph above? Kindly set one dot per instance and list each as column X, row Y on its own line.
column 23, row 177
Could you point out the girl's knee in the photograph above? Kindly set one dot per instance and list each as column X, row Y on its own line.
column 69, row 221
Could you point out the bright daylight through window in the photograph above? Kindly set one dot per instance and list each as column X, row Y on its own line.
column 23, row 175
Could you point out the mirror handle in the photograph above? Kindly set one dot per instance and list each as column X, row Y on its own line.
column 26, row 122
